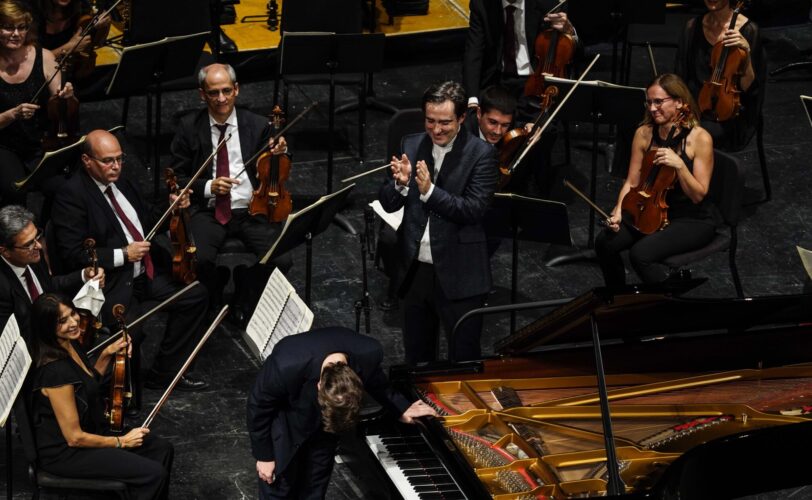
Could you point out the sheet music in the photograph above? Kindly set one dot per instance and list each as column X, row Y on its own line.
column 806, row 259
column 394, row 219
column 279, row 313
column 14, row 364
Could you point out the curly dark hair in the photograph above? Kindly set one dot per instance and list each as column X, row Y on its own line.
column 339, row 397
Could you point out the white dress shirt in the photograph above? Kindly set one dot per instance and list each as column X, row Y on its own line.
column 240, row 194
column 438, row 153
column 18, row 271
column 129, row 211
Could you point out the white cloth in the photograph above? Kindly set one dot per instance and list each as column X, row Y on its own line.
column 90, row 297
column 240, row 194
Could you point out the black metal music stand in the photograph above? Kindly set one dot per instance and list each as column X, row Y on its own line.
column 304, row 225
column 521, row 218
column 598, row 103
column 331, row 53
column 144, row 68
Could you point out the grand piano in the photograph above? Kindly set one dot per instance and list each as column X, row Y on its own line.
column 708, row 398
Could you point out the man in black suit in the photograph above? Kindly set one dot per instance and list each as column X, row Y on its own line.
column 24, row 275
column 309, row 389
column 500, row 43
column 222, row 194
column 494, row 115
column 98, row 203
column 442, row 241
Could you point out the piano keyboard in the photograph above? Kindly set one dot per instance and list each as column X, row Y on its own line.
column 413, row 467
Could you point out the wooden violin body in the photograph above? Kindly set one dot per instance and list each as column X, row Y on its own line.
column 63, row 123
column 184, row 250
column 554, row 53
column 120, row 383
column 271, row 198
column 89, row 325
column 719, row 98
column 85, row 62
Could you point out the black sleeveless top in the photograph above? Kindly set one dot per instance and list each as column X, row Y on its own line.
column 51, row 444
column 23, row 136
column 680, row 206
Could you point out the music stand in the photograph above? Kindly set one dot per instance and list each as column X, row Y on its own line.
column 305, row 225
column 317, row 53
column 167, row 59
column 599, row 103
column 521, row 218
column 806, row 101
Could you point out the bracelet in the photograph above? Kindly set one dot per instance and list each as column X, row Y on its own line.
column 118, row 442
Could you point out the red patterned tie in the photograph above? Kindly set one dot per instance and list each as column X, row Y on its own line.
column 509, row 42
column 32, row 287
column 136, row 236
column 222, row 202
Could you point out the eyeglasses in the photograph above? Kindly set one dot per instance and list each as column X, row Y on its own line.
column 109, row 161
column 22, row 28
column 657, row 102
column 32, row 245
column 214, row 94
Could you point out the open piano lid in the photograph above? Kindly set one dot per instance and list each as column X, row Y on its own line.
column 641, row 311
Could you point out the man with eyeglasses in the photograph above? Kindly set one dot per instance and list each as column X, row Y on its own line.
column 24, row 275
column 97, row 202
column 221, row 195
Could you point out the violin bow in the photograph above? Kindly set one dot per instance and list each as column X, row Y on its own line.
column 277, row 136
column 143, row 317
column 168, row 391
column 186, row 188
column 550, row 118
column 587, row 200
column 555, row 8
column 63, row 61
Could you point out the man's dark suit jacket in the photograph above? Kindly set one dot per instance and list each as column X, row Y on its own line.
column 192, row 145
column 461, row 196
column 81, row 211
column 14, row 297
column 283, row 409
column 482, row 62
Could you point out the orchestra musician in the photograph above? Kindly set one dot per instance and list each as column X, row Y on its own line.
column 24, row 275
column 494, row 115
column 693, row 65
column 59, row 29
column 24, row 68
column 692, row 217
column 221, row 195
column 444, row 180
column 97, row 202
column 68, row 411
column 310, row 389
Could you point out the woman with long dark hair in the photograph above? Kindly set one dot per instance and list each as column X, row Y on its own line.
column 68, row 410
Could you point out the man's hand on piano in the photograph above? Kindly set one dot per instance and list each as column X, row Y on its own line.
column 418, row 409
column 265, row 471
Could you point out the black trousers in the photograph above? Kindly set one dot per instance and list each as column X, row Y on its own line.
column 13, row 169
column 145, row 469
column 647, row 251
column 185, row 324
column 308, row 474
column 425, row 306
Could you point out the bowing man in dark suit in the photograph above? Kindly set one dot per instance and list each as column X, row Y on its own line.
column 24, row 275
column 500, row 43
column 222, row 194
column 444, row 181
column 309, row 389
column 98, row 203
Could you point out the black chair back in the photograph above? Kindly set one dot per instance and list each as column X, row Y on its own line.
column 404, row 122
column 727, row 187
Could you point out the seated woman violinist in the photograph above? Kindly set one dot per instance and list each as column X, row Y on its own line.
column 670, row 110
column 68, row 410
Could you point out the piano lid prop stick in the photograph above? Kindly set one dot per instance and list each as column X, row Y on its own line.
column 168, row 391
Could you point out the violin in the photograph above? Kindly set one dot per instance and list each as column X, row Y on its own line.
column 645, row 203
column 515, row 141
column 89, row 325
column 85, row 62
column 184, row 251
column 719, row 98
column 271, row 199
column 554, row 53
column 63, row 117
column 120, row 383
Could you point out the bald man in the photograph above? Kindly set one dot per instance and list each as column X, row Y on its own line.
column 97, row 202
column 221, row 195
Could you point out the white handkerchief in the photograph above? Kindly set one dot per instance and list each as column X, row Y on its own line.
column 90, row 297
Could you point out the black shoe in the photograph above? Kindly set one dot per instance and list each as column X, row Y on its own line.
column 186, row 383
column 388, row 304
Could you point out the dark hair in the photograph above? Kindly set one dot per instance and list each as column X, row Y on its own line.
column 47, row 8
column 13, row 219
column 339, row 397
column 676, row 89
column 44, row 320
column 446, row 91
column 498, row 98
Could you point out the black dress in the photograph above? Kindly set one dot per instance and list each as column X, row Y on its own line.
column 145, row 469
column 691, row 226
